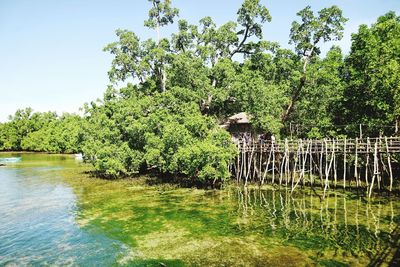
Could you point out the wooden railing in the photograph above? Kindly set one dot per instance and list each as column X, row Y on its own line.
column 365, row 162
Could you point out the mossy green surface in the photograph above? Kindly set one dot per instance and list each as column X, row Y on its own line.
column 164, row 225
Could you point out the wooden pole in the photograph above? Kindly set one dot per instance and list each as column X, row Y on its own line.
column 282, row 168
column 260, row 168
column 344, row 163
column 266, row 167
column 249, row 165
column 389, row 164
column 378, row 177
column 287, row 167
column 375, row 168
column 311, row 163
column 302, row 164
column 334, row 162
column 238, row 163
column 356, row 164
column 326, row 167
column 243, row 174
column 367, row 162
column 273, row 160
column 321, row 163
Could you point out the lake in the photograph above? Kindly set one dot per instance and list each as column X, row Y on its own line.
column 53, row 213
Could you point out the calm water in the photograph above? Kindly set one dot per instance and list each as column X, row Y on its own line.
column 52, row 213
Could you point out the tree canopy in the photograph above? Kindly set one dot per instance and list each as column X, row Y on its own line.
column 168, row 95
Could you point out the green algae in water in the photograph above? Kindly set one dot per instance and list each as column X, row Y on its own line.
column 164, row 225
column 246, row 227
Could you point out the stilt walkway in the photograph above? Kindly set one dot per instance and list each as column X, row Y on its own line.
column 362, row 163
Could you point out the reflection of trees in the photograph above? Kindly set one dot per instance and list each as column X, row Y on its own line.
column 339, row 223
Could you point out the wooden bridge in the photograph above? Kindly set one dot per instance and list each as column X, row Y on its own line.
column 365, row 162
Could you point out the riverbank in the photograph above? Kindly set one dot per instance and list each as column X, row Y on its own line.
column 90, row 221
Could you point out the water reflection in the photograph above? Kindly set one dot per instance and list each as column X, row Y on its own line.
column 346, row 224
column 37, row 222
column 51, row 213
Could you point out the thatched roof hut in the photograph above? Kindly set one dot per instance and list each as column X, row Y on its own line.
column 238, row 123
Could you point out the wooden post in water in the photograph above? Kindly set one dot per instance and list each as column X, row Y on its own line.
column 273, row 160
column 249, row 164
column 311, row 163
column 375, row 168
column 389, row 164
column 356, row 164
column 287, row 165
column 267, row 166
column 367, row 162
column 344, row 164
column 260, row 168
column 378, row 177
column 334, row 162
column 326, row 167
column 238, row 164
column 321, row 158
column 282, row 167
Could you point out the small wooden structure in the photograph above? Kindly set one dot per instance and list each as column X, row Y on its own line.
column 238, row 124
column 362, row 163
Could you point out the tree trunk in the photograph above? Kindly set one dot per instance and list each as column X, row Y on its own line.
column 294, row 98
column 163, row 79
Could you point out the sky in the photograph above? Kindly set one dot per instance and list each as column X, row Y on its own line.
column 51, row 54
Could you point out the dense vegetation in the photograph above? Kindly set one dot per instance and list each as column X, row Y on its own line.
column 35, row 131
column 167, row 96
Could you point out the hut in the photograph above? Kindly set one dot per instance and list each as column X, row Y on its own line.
column 239, row 126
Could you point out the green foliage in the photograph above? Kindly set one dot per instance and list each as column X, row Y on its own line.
column 306, row 36
column 60, row 135
column 327, row 26
column 372, row 76
column 165, row 131
column 322, row 97
column 42, row 132
column 161, row 14
column 175, row 91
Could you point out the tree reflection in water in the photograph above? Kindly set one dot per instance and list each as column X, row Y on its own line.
column 341, row 223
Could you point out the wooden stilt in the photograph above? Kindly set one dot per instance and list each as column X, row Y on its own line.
column 249, row 165
column 378, row 177
column 321, row 163
column 273, row 161
column 367, row 163
column 291, row 160
column 356, row 164
column 344, row 163
column 389, row 165
column 375, row 168
column 311, row 163
column 260, row 166
column 267, row 166
column 334, row 162
column 287, row 165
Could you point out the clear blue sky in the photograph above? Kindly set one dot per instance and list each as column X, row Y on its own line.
column 51, row 50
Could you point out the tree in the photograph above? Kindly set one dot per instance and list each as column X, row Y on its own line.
column 161, row 14
column 320, row 106
column 41, row 132
column 129, row 132
column 307, row 35
column 372, row 74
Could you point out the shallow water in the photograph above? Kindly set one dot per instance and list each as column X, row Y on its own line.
column 52, row 213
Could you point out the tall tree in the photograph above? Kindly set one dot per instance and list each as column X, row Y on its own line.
column 317, row 111
column 307, row 35
column 161, row 14
column 372, row 94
